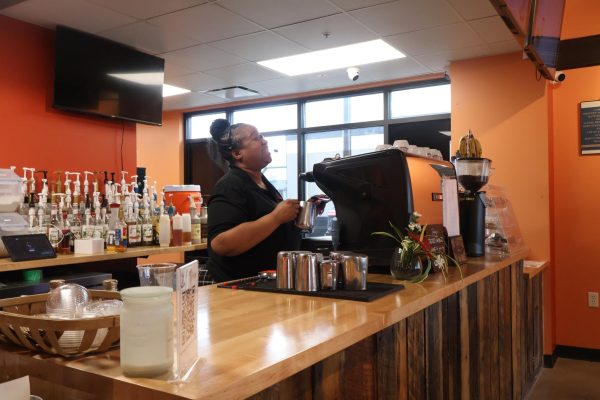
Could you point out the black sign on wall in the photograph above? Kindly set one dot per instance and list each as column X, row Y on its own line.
column 589, row 126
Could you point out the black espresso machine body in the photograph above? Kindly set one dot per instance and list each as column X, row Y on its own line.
column 373, row 189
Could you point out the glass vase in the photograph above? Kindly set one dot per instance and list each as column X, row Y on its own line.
column 405, row 267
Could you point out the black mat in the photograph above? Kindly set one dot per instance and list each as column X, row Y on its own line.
column 374, row 290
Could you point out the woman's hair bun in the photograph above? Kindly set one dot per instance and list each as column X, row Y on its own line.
column 218, row 128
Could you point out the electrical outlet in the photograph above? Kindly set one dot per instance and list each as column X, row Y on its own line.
column 593, row 299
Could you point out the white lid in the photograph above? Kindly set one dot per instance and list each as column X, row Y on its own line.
column 142, row 292
column 12, row 222
column 182, row 188
column 7, row 175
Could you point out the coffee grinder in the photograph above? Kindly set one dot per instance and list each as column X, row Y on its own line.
column 472, row 175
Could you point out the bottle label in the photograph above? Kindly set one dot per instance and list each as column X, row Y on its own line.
column 88, row 231
column 53, row 235
column 118, row 237
column 196, row 233
column 97, row 232
column 133, row 233
column 147, row 228
column 76, row 231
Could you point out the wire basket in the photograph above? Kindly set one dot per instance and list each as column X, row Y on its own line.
column 21, row 325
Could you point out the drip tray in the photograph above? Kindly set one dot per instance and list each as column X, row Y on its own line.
column 374, row 290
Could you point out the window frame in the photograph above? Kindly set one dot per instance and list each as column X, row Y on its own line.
column 302, row 130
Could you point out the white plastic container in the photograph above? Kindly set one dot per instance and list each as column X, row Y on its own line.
column 187, row 229
column 164, row 230
column 11, row 191
column 146, row 331
column 11, row 224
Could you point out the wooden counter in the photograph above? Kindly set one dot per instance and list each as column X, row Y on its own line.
column 7, row 265
column 288, row 346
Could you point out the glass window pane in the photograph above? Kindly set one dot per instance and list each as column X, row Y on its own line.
column 364, row 140
column 282, row 172
column 429, row 100
column 200, row 125
column 269, row 119
column 368, row 107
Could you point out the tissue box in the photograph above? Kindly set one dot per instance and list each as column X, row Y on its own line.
column 89, row 246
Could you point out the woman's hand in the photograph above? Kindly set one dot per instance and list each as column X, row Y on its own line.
column 286, row 211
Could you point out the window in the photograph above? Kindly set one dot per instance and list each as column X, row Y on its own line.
column 200, row 125
column 320, row 145
column 283, row 170
column 429, row 100
column 344, row 110
column 269, row 119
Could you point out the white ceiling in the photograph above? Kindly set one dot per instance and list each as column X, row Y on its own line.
column 214, row 44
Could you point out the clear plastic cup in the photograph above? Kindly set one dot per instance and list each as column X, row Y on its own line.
column 161, row 274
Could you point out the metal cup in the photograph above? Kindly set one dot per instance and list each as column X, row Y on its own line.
column 328, row 270
column 307, row 272
column 285, row 270
column 354, row 271
column 339, row 256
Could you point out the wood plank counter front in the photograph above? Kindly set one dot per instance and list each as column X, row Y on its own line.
column 440, row 339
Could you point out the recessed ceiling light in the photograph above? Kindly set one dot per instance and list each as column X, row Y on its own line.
column 170, row 90
column 334, row 58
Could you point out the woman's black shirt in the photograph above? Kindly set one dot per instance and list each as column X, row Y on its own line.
column 236, row 199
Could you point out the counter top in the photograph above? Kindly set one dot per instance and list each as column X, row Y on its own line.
column 6, row 264
column 250, row 340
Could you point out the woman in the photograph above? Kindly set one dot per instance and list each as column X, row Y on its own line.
column 248, row 221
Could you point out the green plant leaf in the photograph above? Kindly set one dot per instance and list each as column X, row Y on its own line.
column 388, row 235
column 396, row 230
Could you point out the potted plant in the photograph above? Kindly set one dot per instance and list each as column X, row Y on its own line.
column 413, row 258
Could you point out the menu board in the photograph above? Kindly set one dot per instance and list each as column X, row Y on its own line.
column 589, row 122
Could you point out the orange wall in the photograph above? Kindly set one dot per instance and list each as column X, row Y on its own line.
column 160, row 150
column 576, row 214
column 507, row 109
column 32, row 133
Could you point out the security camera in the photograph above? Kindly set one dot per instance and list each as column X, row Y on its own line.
column 559, row 76
column 353, row 73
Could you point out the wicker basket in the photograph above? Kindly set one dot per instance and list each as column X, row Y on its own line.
column 20, row 326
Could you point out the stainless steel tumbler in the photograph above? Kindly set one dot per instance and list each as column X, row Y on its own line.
column 328, row 271
column 354, row 271
column 285, row 270
column 307, row 272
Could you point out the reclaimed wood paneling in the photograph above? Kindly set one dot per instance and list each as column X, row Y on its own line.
column 484, row 342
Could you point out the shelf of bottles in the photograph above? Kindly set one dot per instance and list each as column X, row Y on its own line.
column 124, row 215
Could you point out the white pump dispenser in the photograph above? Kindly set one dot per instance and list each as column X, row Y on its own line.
column 123, row 182
column 86, row 183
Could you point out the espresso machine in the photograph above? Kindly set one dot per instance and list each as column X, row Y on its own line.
column 472, row 174
column 373, row 189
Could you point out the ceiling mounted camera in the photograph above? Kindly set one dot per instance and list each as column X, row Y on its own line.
column 353, row 73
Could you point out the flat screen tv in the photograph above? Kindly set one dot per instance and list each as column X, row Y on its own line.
column 97, row 76
column 543, row 37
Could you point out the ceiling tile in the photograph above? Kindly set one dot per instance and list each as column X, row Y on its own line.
column 189, row 100
column 434, row 40
column 349, row 5
column 439, row 62
column 507, row 46
column 276, row 13
column 259, row 46
column 207, row 23
column 72, row 13
column 243, row 73
column 492, row 29
column 152, row 38
column 473, row 9
column 143, row 9
column 196, row 81
column 201, row 57
column 406, row 16
column 342, row 30
column 172, row 70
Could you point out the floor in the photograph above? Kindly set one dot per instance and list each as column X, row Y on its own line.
column 569, row 380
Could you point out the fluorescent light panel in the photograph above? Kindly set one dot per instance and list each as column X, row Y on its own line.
column 170, row 90
column 338, row 57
